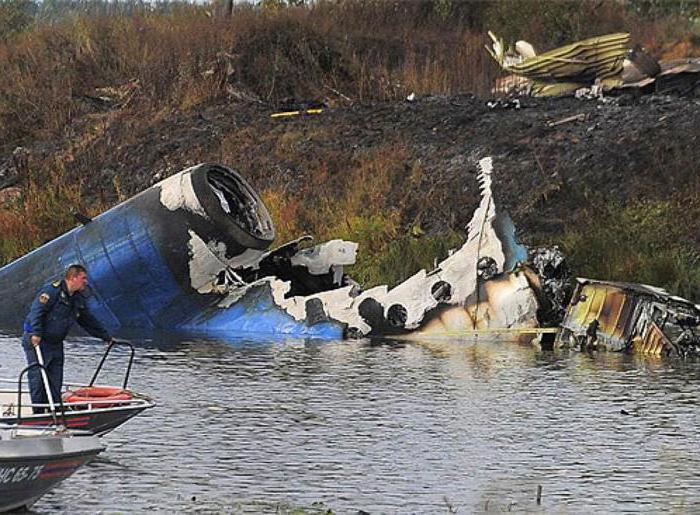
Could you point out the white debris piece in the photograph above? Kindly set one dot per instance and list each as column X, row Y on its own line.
column 208, row 260
column 321, row 258
column 176, row 192
column 204, row 264
column 525, row 49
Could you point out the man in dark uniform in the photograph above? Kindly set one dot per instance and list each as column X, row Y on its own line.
column 56, row 307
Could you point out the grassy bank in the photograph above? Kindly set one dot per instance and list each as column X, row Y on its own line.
column 88, row 90
column 364, row 50
column 645, row 242
column 364, row 200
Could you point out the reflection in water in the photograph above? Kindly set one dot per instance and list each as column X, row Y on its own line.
column 388, row 427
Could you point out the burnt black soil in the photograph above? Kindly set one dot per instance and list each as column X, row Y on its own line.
column 546, row 169
column 555, row 160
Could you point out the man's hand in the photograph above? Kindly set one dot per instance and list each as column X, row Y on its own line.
column 110, row 341
column 36, row 340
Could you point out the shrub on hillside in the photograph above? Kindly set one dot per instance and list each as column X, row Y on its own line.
column 15, row 16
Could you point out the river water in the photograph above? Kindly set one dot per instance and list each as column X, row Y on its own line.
column 387, row 427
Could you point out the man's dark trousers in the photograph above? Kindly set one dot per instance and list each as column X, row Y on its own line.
column 53, row 362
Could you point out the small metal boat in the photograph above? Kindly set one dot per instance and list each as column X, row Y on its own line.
column 92, row 408
column 35, row 459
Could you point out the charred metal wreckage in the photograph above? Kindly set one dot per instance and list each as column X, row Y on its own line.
column 191, row 254
column 630, row 317
column 590, row 67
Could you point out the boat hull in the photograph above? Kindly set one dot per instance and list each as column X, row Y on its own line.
column 30, row 467
column 96, row 422
column 94, row 417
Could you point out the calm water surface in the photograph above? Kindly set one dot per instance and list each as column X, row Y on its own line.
column 387, row 428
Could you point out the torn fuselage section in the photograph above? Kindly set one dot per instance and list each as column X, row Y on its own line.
column 200, row 243
column 192, row 253
column 560, row 71
column 553, row 283
column 485, row 284
column 616, row 316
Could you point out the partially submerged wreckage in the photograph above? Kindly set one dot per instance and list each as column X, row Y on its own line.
column 630, row 317
column 591, row 67
column 191, row 254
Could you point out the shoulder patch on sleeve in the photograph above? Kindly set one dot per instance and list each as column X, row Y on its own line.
column 44, row 298
column 56, row 284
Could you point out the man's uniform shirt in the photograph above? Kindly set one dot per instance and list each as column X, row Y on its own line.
column 54, row 311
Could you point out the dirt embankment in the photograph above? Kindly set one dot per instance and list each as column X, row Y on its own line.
column 550, row 154
column 554, row 158
column 564, row 169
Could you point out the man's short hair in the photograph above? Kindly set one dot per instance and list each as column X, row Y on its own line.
column 74, row 270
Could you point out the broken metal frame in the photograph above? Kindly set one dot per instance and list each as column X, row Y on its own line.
column 590, row 67
column 630, row 317
column 190, row 254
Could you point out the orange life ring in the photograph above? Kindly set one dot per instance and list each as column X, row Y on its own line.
column 97, row 393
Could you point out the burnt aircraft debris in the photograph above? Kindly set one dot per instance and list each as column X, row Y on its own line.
column 589, row 68
column 555, row 280
column 566, row 69
column 616, row 316
column 191, row 253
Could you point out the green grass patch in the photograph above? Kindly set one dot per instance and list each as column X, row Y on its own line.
column 645, row 242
